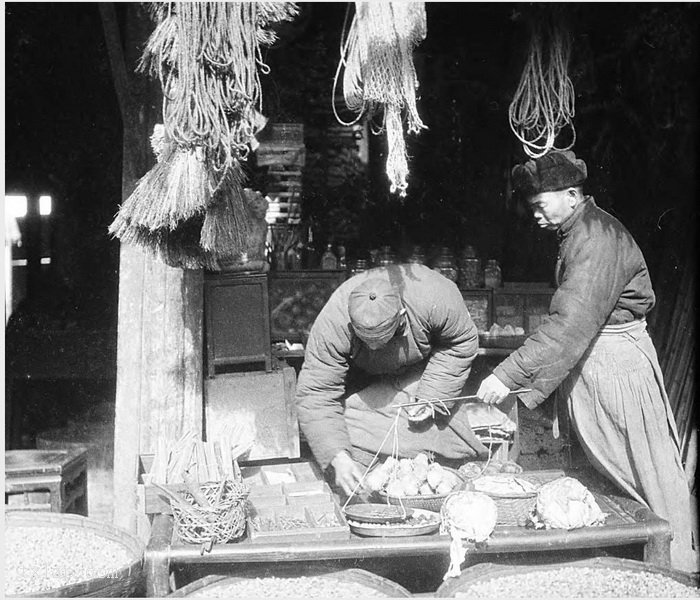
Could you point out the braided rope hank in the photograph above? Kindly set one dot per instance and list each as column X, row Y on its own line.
column 543, row 103
column 378, row 75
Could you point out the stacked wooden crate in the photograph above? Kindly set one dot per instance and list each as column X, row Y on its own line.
column 283, row 152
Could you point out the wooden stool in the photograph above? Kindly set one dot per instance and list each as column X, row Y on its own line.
column 46, row 480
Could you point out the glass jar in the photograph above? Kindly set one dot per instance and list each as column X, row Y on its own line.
column 294, row 256
column 492, row 274
column 329, row 261
column 469, row 267
column 417, row 256
column 445, row 264
column 358, row 266
column 386, row 257
column 342, row 257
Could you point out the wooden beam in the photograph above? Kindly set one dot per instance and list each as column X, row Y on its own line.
column 115, row 53
column 159, row 331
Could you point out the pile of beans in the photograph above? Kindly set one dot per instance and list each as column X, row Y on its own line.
column 43, row 558
column 580, row 582
column 286, row 587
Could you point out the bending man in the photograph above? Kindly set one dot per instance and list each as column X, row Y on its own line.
column 386, row 336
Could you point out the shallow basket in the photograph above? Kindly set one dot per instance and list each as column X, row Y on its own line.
column 428, row 501
column 484, row 572
column 207, row 586
column 123, row 582
column 223, row 522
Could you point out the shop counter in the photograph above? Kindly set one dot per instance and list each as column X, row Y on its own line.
column 628, row 523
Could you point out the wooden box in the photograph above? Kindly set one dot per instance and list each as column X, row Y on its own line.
column 264, row 402
column 479, row 302
column 301, row 523
column 257, row 477
column 296, row 298
column 237, row 321
column 521, row 305
column 46, row 480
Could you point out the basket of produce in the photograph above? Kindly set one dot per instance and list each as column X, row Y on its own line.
column 68, row 556
column 602, row 577
column 295, row 581
column 414, row 482
column 210, row 512
column 515, row 494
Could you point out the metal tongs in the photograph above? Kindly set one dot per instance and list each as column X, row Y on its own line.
column 455, row 399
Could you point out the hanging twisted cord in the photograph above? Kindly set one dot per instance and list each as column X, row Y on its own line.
column 394, row 452
column 352, row 78
column 208, row 59
column 543, row 103
column 378, row 75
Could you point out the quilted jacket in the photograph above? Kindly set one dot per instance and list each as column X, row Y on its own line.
column 602, row 279
column 438, row 331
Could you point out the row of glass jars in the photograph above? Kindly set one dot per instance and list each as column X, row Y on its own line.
column 466, row 269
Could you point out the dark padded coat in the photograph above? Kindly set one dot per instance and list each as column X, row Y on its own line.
column 438, row 330
column 602, row 279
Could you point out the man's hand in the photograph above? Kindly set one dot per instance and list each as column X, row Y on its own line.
column 347, row 472
column 420, row 413
column 492, row 391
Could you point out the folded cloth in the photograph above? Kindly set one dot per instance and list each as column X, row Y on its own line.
column 486, row 417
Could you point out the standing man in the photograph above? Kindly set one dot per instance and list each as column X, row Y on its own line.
column 594, row 347
column 387, row 336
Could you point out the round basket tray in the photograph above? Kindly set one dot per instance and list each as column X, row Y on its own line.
column 398, row 529
column 213, row 586
column 514, row 491
column 485, row 572
column 120, row 583
column 432, row 502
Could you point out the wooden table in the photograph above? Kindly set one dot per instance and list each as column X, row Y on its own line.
column 628, row 522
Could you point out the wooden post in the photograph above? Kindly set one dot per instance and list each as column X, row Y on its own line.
column 159, row 331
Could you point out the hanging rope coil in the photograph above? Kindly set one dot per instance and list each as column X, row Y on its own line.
column 208, row 59
column 543, row 103
column 206, row 56
column 378, row 75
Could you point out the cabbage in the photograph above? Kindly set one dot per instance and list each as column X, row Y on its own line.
column 469, row 516
column 566, row 503
column 472, row 515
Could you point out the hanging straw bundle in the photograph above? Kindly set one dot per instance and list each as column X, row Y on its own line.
column 207, row 58
column 543, row 103
column 379, row 75
column 225, row 223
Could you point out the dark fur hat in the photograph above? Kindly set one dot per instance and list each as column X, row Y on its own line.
column 554, row 171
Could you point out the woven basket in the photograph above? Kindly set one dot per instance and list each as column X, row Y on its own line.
column 207, row 586
column 484, row 572
column 428, row 501
column 515, row 511
column 123, row 582
column 223, row 522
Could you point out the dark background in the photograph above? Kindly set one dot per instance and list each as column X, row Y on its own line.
column 634, row 68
